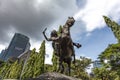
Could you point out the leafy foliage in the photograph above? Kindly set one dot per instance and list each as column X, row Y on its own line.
column 59, row 30
column 5, row 69
column 48, row 68
column 111, row 50
column 115, row 27
column 55, row 62
column 33, row 67
column 40, row 61
column 29, row 66
column 79, row 69
column 15, row 70
column 35, row 63
column 104, row 73
column 112, row 54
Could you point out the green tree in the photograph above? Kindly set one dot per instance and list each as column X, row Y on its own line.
column 15, row 70
column 112, row 54
column 33, row 68
column 115, row 27
column 55, row 62
column 48, row 68
column 111, row 50
column 5, row 70
column 29, row 66
column 35, row 64
column 79, row 69
column 104, row 73
column 59, row 30
column 40, row 61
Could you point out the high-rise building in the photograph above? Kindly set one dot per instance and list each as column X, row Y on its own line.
column 2, row 54
column 18, row 45
column 97, row 64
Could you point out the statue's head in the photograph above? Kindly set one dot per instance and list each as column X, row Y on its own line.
column 70, row 21
column 54, row 33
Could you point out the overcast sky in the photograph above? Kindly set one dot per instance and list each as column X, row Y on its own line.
column 30, row 17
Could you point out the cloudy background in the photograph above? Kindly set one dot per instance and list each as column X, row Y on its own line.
column 30, row 17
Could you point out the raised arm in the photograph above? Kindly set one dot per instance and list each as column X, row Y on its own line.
column 48, row 39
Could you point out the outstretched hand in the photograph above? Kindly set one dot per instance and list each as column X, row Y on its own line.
column 44, row 30
column 78, row 45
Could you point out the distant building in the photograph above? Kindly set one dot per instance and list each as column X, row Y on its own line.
column 24, row 55
column 0, row 55
column 18, row 45
column 97, row 64
column 3, row 53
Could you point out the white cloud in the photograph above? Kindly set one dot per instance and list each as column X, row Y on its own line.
column 10, row 34
column 35, row 44
column 95, row 9
column 2, row 47
column 90, row 69
column 49, row 51
column 88, row 34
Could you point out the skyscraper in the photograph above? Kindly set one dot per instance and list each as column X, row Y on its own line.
column 97, row 64
column 2, row 54
column 17, row 46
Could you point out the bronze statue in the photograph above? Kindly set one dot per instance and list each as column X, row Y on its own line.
column 67, row 49
column 55, row 41
column 63, row 44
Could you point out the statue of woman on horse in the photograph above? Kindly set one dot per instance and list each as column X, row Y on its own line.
column 63, row 44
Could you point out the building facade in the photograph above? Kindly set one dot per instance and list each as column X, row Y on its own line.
column 3, row 53
column 18, row 45
column 97, row 64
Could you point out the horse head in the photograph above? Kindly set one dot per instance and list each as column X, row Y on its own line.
column 70, row 22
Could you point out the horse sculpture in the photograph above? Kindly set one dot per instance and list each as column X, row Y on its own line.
column 67, row 46
column 63, row 45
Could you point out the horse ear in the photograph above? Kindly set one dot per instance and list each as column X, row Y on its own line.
column 69, row 17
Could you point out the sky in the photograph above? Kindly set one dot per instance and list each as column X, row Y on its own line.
column 31, row 17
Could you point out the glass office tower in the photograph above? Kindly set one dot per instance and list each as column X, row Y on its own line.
column 97, row 64
column 17, row 46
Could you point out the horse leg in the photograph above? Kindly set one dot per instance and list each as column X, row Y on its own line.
column 73, row 53
column 74, row 58
column 69, row 66
column 61, row 67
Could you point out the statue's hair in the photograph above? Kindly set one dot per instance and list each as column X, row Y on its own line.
column 53, row 33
